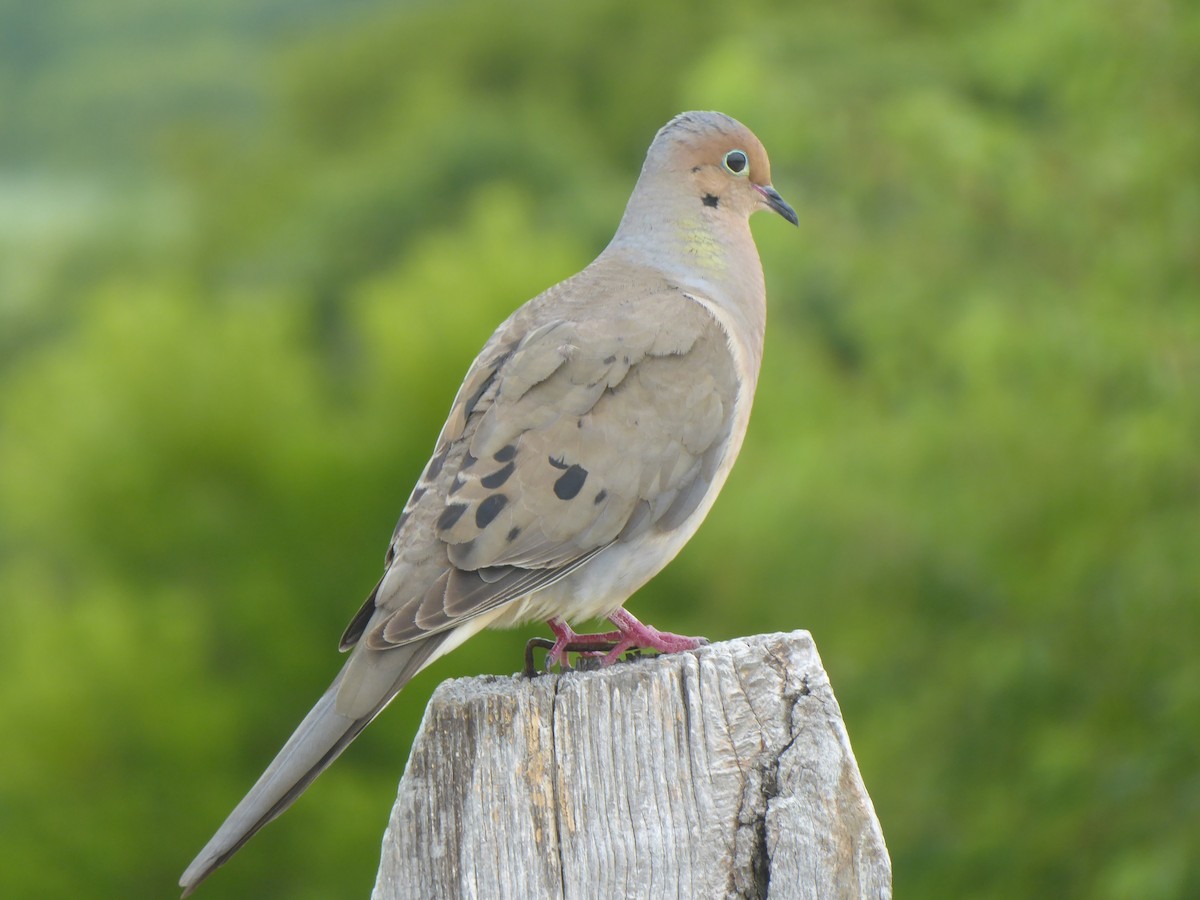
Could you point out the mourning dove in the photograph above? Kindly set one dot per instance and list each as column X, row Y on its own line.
column 587, row 443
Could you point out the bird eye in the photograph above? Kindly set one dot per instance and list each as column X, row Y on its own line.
column 736, row 162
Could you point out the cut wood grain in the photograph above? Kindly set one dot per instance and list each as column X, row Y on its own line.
column 722, row 772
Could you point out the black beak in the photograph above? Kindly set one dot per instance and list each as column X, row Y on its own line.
column 777, row 203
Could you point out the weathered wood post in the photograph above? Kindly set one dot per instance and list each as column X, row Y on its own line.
column 724, row 772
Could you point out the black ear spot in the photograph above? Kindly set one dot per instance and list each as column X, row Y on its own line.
column 712, row 200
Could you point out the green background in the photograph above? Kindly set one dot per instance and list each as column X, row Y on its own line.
column 247, row 250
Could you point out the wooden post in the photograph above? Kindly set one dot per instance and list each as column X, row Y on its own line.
column 724, row 772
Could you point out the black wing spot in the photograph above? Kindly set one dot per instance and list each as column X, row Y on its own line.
column 497, row 478
column 450, row 515
column 600, row 497
column 513, row 534
column 489, row 509
column 712, row 200
column 467, row 462
column 570, row 482
column 609, row 360
column 505, row 453
column 457, row 485
column 435, row 465
column 558, row 462
column 473, row 400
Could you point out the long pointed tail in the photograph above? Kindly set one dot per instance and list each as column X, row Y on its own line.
column 316, row 743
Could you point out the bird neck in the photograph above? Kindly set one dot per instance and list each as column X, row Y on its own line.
column 710, row 255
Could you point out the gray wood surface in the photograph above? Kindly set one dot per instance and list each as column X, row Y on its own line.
column 724, row 772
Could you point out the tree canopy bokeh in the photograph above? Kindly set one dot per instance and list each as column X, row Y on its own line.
column 247, row 250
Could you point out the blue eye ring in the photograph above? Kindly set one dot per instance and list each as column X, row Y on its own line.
column 736, row 162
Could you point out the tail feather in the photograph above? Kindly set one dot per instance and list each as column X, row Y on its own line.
column 314, row 745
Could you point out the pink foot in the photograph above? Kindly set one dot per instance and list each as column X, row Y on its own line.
column 630, row 635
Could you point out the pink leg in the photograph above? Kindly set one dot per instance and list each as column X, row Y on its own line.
column 630, row 635
column 565, row 637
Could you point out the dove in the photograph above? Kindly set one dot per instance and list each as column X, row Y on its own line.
column 584, row 448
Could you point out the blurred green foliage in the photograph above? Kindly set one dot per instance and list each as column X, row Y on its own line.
column 248, row 249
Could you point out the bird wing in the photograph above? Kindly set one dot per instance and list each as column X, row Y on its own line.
column 590, row 428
